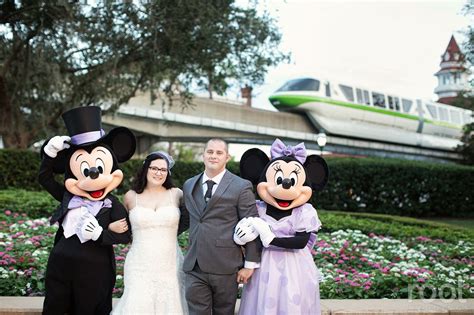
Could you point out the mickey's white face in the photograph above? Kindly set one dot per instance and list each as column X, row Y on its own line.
column 94, row 178
column 284, row 188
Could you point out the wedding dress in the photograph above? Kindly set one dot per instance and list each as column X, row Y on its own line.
column 153, row 276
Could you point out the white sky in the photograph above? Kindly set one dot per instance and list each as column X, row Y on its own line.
column 392, row 46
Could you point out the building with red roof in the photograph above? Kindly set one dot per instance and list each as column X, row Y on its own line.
column 453, row 77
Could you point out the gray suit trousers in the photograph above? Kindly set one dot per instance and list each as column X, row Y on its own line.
column 202, row 287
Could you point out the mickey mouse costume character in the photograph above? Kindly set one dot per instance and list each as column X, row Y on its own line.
column 288, row 280
column 80, row 274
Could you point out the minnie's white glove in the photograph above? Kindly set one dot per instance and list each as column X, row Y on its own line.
column 56, row 144
column 90, row 229
column 244, row 232
column 262, row 227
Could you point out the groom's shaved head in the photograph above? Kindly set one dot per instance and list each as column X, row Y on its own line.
column 218, row 140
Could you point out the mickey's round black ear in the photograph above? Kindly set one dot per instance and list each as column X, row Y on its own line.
column 122, row 142
column 252, row 164
column 317, row 171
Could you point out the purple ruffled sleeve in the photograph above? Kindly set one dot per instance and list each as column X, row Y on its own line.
column 308, row 220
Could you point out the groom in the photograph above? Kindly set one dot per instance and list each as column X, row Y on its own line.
column 216, row 201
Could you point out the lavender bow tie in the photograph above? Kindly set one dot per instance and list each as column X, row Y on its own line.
column 280, row 149
column 92, row 206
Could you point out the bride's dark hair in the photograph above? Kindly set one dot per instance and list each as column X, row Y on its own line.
column 139, row 181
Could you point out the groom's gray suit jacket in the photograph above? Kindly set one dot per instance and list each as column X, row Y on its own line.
column 211, row 227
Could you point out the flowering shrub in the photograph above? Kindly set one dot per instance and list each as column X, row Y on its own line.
column 356, row 265
column 353, row 264
column 24, row 252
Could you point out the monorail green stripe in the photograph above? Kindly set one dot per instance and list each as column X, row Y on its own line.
column 296, row 100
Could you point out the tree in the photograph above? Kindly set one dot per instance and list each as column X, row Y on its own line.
column 55, row 55
column 466, row 99
column 467, row 148
column 229, row 42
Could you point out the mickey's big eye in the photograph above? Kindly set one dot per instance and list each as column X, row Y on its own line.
column 85, row 168
column 293, row 178
column 279, row 177
column 100, row 165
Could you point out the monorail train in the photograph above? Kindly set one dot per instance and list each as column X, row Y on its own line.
column 356, row 112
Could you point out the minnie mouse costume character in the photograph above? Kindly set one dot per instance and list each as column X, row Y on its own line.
column 287, row 281
column 80, row 274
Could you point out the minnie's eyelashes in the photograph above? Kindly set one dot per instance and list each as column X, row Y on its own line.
column 297, row 170
column 276, row 167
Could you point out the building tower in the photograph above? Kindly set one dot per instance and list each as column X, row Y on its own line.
column 454, row 75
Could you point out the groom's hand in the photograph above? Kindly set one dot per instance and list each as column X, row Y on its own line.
column 244, row 274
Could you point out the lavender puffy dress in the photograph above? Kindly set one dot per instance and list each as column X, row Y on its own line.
column 287, row 281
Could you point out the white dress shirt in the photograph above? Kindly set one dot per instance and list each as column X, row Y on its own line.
column 216, row 179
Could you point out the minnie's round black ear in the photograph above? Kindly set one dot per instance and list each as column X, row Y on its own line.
column 252, row 164
column 317, row 171
column 122, row 142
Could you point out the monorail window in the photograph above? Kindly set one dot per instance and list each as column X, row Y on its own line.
column 455, row 116
column 300, row 85
column 366, row 97
column 362, row 96
column 328, row 89
column 360, row 99
column 443, row 114
column 394, row 103
column 348, row 92
column 407, row 104
column 379, row 99
column 432, row 111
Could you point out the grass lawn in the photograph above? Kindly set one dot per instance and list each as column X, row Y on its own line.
column 467, row 223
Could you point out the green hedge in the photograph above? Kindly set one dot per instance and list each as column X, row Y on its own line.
column 394, row 226
column 386, row 186
column 36, row 204
column 19, row 169
column 408, row 188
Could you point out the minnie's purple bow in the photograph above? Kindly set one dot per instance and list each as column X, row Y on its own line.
column 280, row 149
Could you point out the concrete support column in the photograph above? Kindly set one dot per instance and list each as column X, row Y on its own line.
column 144, row 144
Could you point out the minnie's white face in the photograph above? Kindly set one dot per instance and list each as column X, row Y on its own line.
column 284, row 188
column 94, row 178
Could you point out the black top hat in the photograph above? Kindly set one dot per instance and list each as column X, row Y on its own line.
column 84, row 125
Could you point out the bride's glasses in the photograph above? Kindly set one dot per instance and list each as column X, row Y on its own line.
column 155, row 169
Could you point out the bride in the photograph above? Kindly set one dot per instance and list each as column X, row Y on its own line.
column 153, row 278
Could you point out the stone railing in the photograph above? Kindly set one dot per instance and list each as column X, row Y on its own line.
column 10, row 305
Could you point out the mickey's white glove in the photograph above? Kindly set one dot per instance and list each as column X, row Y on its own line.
column 244, row 232
column 262, row 227
column 56, row 144
column 90, row 228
